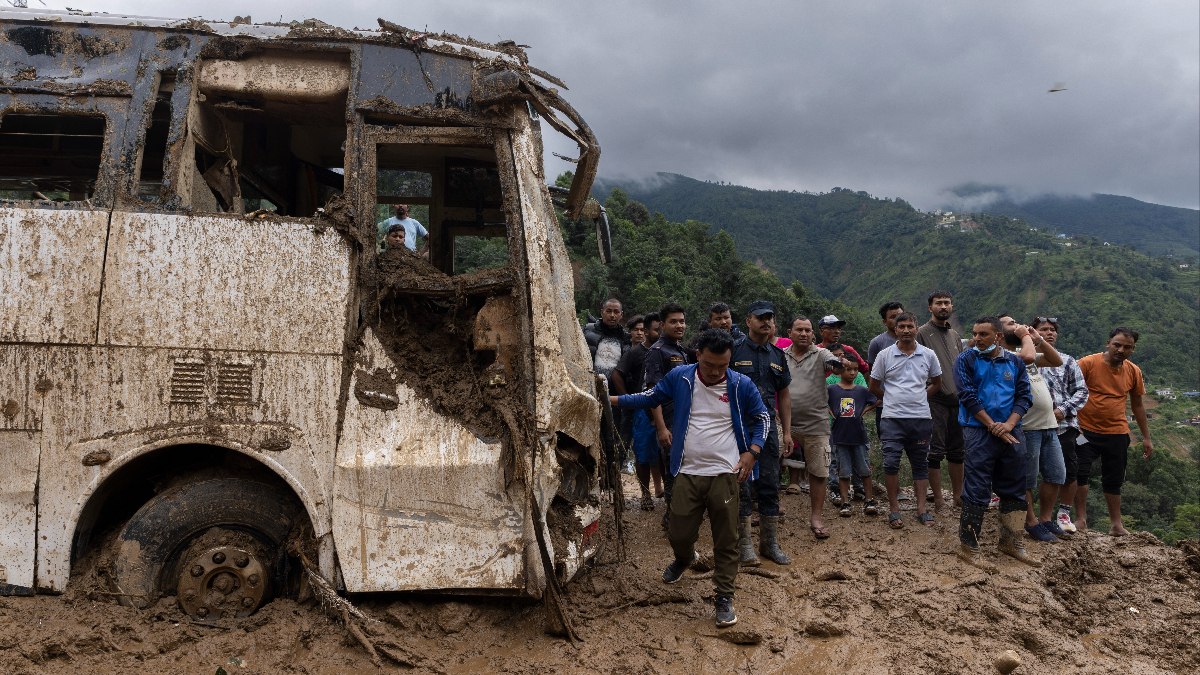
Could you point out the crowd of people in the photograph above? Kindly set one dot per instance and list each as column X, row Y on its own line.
column 713, row 424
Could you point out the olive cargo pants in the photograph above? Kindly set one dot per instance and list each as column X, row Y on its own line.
column 718, row 495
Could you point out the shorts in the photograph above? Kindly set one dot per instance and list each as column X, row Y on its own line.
column 909, row 436
column 1066, row 440
column 852, row 460
column 816, row 453
column 645, row 438
column 1113, row 451
column 1043, row 452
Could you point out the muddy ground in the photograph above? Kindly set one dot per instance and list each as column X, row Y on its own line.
column 905, row 605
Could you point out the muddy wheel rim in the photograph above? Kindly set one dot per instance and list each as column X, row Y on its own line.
column 220, row 582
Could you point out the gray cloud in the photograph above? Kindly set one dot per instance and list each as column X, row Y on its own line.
column 900, row 99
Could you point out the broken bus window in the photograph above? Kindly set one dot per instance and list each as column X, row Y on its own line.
column 50, row 157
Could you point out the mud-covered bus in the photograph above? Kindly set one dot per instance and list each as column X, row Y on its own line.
column 205, row 354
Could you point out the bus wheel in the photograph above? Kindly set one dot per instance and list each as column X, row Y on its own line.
column 217, row 543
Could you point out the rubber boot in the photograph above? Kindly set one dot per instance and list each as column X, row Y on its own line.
column 746, row 544
column 768, row 542
column 1012, row 523
column 969, row 526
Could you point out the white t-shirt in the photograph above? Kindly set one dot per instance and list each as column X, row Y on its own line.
column 710, row 448
column 608, row 355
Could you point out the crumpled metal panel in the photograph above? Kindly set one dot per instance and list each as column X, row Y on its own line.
column 58, row 54
column 566, row 398
column 400, row 76
column 52, row 263
column 224, row 283
column 419, row 500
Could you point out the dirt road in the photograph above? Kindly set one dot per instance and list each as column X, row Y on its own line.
column 905, row 605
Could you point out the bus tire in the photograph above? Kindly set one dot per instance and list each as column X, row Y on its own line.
column 241, row 524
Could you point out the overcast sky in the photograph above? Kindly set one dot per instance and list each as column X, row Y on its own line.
column 899, row 98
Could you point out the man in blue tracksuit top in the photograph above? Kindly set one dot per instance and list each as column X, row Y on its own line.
column 718, row 429
column 993, row 393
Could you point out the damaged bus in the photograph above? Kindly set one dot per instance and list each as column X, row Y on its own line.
column 204, row 354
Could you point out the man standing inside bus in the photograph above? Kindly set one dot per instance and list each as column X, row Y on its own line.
column 412, row 228
column 718, row 429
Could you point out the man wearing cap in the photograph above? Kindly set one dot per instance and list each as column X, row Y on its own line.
column 755, row 357
column 831, row 334
column 810, row 415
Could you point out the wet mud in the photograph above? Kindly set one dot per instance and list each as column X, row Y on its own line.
column 901, row 603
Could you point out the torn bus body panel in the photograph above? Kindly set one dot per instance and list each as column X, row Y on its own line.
column 193, row 260
column 423, row 494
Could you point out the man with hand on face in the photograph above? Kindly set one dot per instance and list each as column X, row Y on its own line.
column 755, row 357
column 719, row 426
column 831, row 334
column 1110, row 377
column 993, row 392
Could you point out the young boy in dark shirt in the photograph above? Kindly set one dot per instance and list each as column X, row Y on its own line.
column 848, row 436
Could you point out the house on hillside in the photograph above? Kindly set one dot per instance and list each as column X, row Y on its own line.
column 1166, row 393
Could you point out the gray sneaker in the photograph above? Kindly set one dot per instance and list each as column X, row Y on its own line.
column 725, row 614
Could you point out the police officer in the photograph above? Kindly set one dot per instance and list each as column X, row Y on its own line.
column 755, row 356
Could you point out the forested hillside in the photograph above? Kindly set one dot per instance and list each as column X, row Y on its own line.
column 1151, row 228
column 861, row 251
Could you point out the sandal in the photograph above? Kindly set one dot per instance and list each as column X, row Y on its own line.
column 819, row 532
column 845, row 511
column 895, row 521
column 925, row 519
column 792, row 489
column 647, row 503
column 871, row 508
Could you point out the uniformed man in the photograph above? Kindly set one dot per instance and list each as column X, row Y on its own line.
column 765, row 365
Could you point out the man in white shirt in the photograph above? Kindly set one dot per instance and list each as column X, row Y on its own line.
column 719, row 425
column 412, row 228
column 903, row 376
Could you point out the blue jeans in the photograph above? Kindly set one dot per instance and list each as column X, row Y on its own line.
column 992, row 465
column 1042, row 451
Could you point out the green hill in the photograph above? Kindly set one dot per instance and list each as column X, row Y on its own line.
column 861, row 251
column 1152, row 228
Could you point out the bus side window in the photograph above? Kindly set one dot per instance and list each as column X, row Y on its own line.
column 267, row 143
column 50, row 157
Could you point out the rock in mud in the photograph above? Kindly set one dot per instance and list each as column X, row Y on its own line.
column 831, row 574
column 739, row 637
column 1007, row 662
column 819, row 628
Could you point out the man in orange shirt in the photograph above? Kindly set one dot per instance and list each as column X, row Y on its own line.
column 1110, row 377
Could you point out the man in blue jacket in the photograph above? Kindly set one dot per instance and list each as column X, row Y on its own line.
column 718, row 429
column 993, row 393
